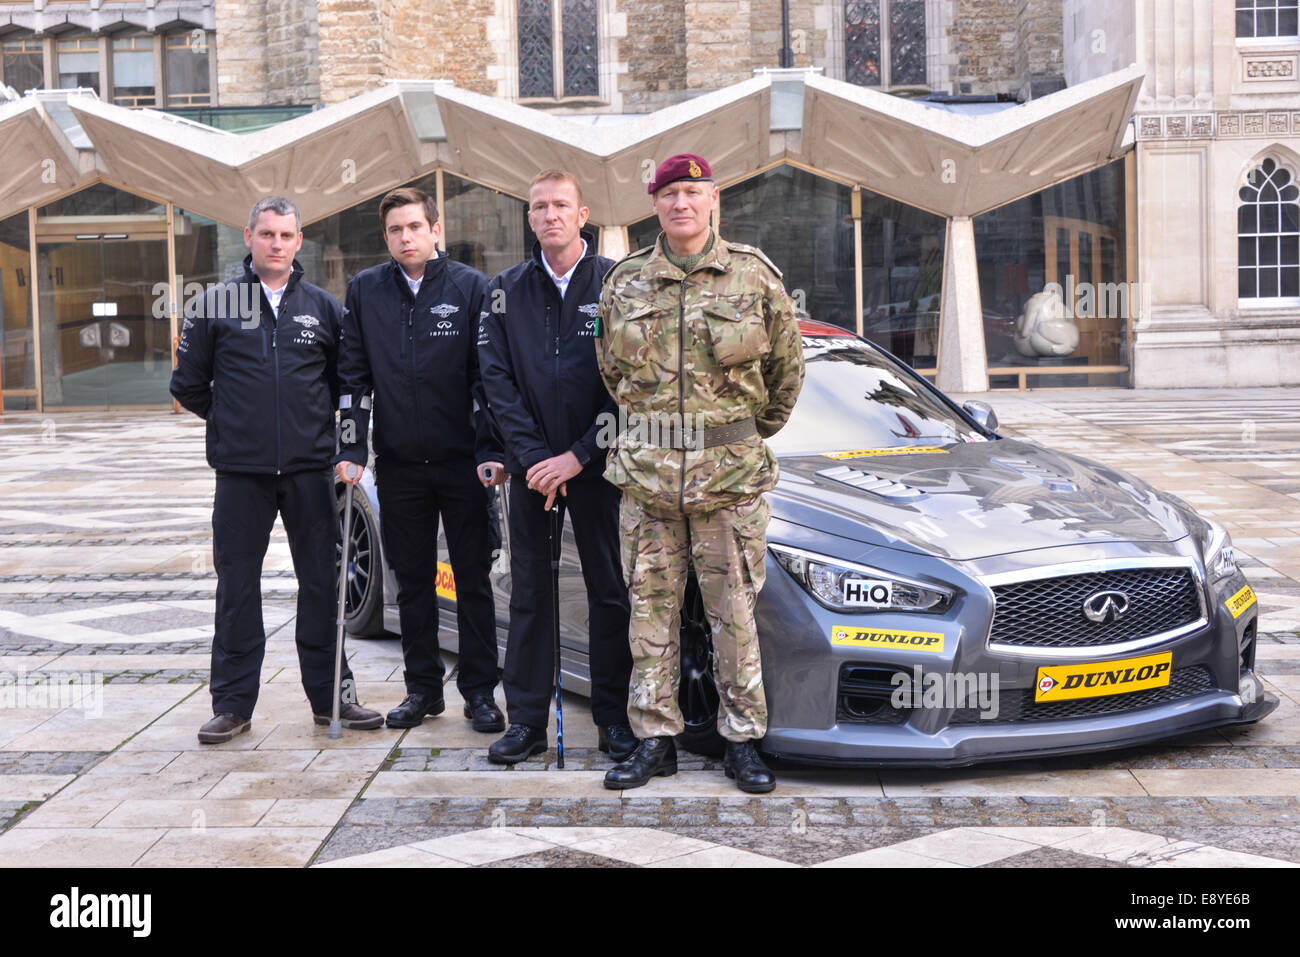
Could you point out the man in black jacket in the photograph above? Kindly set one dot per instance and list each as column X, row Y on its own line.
column 537, row 349
column 409, row 334
column 257, row 359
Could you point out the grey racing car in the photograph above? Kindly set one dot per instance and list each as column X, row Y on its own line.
column 938, row 594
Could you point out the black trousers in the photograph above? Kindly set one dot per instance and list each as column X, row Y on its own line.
column 243, row 513
column 592, row 505
column 412, row 498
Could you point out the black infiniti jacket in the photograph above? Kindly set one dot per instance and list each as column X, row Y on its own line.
column 417, row 356
column 538, row 354
column 266, row 386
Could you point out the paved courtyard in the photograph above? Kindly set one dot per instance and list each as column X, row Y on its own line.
column 106, row 574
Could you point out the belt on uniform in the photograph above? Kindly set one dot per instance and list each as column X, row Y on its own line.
column 707, row 438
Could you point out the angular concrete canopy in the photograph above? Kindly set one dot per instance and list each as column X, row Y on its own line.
column 40, row 161
column 948, row 163
column 324, row 161
column 957, row 165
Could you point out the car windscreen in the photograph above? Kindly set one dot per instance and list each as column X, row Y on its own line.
column 855, row 398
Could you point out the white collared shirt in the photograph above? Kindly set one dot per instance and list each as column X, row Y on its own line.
column 273, row 296
column 416, row 283
column 562, row 282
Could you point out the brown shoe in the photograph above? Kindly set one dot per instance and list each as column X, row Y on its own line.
column 223, row 727
column 353, row 717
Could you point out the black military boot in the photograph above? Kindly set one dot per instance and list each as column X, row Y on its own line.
column 412, row 711
column 653, row 757
column 744, row 764
column 484, row 714
column 617, row 740
column 519, row 743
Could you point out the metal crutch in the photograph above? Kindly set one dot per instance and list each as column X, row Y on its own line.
column 336, row 726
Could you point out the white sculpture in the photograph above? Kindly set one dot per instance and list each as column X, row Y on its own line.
column 1045, row 328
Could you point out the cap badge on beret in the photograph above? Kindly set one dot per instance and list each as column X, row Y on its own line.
column 686, row 166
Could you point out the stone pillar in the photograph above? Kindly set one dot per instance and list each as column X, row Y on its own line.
column 351, row 48
column 963, row 363
column 292, row 52
column 1039, row 64
column 241, row 53
column 718, row 43
column 613, row 242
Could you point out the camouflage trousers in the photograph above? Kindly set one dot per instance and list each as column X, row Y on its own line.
column 726, row 547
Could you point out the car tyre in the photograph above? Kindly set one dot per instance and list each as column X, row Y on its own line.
column 364, row 605
column 697, row 693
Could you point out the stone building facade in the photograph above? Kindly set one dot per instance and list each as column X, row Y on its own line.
column 651, row 53
column 924, row 221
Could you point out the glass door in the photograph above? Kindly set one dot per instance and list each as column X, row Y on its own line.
column 105, row 334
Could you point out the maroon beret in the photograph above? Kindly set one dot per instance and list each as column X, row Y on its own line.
column 682, row 166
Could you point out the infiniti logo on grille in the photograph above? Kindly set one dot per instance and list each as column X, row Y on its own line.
column 1105, row 606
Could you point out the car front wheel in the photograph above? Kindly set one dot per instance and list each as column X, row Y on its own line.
column 364, row 604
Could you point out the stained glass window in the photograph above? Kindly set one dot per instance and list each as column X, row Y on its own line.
column 862, row 42
column 579, row 26
column 569, row 26
column 907, row 42
column 536, row 69
column 884, row 42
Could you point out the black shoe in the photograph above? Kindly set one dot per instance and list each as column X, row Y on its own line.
column 484, row 714
column 353, row 717
column 223, row 727
column 411, row 712
column 653, row 757
column 617, row 740
column 522, row 741
column 744, row 764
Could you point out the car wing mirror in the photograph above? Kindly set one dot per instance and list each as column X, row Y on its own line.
column 982, row 413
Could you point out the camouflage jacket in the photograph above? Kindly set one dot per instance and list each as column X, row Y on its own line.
column 712, row 347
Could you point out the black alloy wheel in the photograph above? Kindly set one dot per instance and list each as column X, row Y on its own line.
column 364, row 602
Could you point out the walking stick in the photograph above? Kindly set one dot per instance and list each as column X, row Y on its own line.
column 555, row 628
column 336, row 727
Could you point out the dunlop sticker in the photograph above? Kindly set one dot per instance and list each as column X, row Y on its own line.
column 906, row 450
column 881, row 638
column 1239, row 602
column 446, row 583
column 1063, row 682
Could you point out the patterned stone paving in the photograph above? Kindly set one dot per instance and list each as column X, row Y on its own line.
column 105, row 576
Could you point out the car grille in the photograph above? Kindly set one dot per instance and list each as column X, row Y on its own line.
column 1019, row 706
column 1048, row 612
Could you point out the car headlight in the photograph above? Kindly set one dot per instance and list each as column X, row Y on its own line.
column 1220, row 558
column 849, row 587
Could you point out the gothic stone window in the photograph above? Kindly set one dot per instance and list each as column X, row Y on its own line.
column 884, row 42
column 1268, row 234
column 1266, row 18
column 566, row 26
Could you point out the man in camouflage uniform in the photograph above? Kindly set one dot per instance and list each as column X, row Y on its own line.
column 700, row 348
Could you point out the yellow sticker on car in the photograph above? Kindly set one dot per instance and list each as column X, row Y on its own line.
column 1239, row 602
column 905, row 450
column 851, row 637
column 1063, row 682
column 445, row 582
